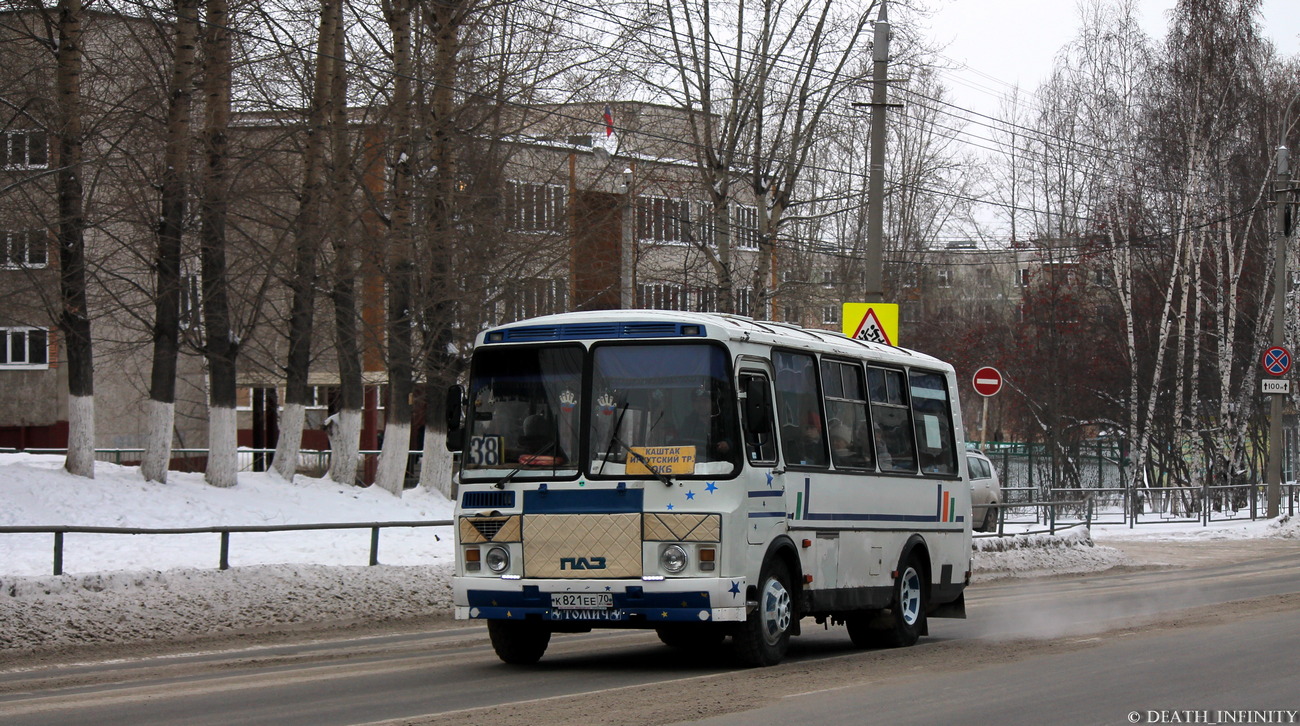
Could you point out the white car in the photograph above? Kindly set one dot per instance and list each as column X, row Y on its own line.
column 984, row 490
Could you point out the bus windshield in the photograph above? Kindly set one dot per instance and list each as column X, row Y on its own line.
column 525, row 405
column 670, row 407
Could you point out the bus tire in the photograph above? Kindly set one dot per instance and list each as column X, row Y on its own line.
column 692, row 637
column 519, row 642
column 764, row 637
column 906, row 617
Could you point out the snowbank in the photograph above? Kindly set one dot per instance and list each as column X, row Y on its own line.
column 126, row 589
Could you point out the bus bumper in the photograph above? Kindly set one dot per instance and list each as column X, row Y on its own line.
column 630, row 602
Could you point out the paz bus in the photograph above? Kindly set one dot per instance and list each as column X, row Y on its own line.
column 708, row 476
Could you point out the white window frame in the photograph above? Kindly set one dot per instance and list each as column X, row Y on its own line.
column 16, row 149
column 535, row 208
column 944, row 276
column 21, row 243
column 18, row 338
column 744, row 226
column 663, row 220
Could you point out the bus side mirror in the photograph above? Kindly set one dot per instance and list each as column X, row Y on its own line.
column 455, row 416
column 758, row 419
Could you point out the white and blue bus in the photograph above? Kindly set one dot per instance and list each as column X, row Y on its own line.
column 707, row 476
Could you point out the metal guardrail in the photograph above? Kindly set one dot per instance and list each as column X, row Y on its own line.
column 1049, row 518
column 224, row 560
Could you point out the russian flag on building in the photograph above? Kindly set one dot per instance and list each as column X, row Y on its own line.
column 609, row 121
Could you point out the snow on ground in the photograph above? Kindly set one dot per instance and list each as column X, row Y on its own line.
column 132, row 588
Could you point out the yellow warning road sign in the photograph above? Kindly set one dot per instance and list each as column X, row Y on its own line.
column 875, row 322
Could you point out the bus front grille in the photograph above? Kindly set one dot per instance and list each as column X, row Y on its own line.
column 582, row 546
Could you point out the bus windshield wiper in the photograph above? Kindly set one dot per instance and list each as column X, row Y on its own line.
column 644, row 461
column 501, row 483
column 614, row 439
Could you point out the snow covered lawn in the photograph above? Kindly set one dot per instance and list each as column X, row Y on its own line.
column 134, row 588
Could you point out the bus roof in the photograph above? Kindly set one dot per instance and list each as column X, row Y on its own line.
column 660, row 324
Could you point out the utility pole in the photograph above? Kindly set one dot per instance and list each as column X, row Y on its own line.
column 875, row 286
column 1281, row 230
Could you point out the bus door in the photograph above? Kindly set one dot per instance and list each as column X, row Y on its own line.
column 765, row 491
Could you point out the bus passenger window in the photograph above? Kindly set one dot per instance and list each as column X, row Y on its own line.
column 891, row 420
column 847, row 421
column 803, row 438
column 933, row 423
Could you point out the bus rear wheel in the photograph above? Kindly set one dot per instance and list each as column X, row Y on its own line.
column 903, row 623
column 906, row 619
column 764, row 637
column 519, row 642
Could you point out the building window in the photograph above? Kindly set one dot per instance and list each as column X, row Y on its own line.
column 27, row 249
column 1022, row 277
column 24, row 348
column 660, row 296
column 745, row 301
column 704, row 231
column 828, row 279
column 529, row 298
column 830, row 315
column 24, row 150
column 706, row 300
column 663, row 220
column 945, row 277
column 535, row 207
column 984, row 277
column 744, row 225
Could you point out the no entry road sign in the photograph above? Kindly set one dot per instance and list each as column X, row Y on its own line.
column 1277, row 361
column 987, row 381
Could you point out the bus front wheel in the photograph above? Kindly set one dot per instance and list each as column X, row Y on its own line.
column 764, row 637
column 519, row 642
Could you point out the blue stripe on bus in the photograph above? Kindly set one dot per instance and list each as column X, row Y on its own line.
column 586, row 501
column 772, row 493
column 871, row 517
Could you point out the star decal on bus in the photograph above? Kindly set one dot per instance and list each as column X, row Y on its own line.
column 711, row 487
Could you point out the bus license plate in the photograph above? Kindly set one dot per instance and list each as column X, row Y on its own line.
column 582, row 600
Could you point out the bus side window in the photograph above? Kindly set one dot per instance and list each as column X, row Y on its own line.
column 892, row 420
column 798, row 402
column 933, row 423
column 847, row 422
column 760, row 441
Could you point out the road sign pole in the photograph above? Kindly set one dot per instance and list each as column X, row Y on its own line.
column 984, row 424
column 1275, row 444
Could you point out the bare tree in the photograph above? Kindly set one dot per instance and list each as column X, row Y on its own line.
column 171, row 224
column 220, row 345
column 75, row 320
column 307, row 232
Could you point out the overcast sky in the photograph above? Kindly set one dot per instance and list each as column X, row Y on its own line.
column 1004, row 42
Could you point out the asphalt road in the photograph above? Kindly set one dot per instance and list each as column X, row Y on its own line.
column 1221, row 635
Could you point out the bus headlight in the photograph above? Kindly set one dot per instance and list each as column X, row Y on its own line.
column 498, row 559
column 673, row 559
